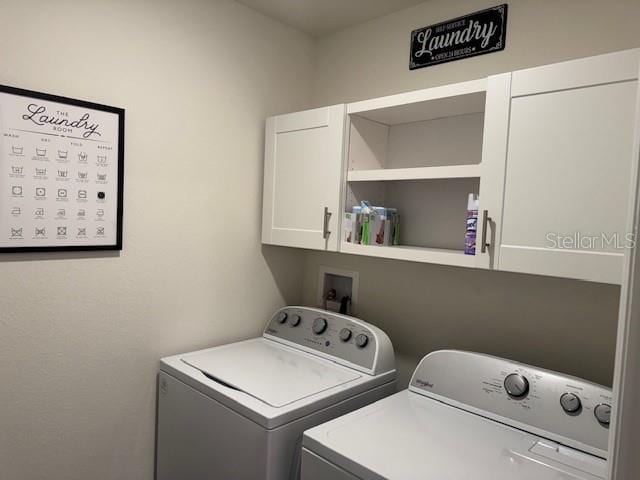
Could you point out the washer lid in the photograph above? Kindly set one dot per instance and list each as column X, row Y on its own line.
column 410, row 437
column 274, row 374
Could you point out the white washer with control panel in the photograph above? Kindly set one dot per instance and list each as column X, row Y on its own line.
column 238, row 411
column 469, row 416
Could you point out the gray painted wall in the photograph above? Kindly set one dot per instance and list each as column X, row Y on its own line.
column 81, row 335
column 558, row 324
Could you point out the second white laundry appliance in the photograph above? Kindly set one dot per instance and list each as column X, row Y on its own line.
column 238, row 411
column 469, row 416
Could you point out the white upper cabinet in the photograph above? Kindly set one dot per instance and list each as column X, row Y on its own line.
column 302, row 178
column 567, row 169
column 548, row 150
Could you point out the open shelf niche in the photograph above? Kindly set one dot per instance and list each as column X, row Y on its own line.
column 418, row 152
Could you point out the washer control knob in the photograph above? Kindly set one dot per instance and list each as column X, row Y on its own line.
column 570, row 402
column 345, row 334
column 295, row 320
column 603, row 413
column 516, row 385
column 282, row 317
column 319, row 325
column 362, row 340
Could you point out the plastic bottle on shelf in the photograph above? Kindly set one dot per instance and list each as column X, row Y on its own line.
column 472, row 225
column 367, row 214
column 356, row 213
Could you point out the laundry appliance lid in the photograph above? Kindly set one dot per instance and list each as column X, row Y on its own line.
column 270, row 372
column 410, row 437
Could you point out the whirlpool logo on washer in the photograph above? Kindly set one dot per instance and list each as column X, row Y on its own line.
column 424, row 383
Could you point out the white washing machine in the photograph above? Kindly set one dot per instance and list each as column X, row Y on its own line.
column 238, row 411
column 469, row 416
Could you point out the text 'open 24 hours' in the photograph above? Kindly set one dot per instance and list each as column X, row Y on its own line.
column 474, row 34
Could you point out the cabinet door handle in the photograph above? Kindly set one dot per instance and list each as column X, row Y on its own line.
column 325, row 226
column 485, row 222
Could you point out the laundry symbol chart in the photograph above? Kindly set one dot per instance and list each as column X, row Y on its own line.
column 60, row 182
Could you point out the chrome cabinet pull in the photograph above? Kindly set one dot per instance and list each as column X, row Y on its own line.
column 325, row 227
column 485, row 221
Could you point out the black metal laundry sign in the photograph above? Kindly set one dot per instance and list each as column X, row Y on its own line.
column 474, row 34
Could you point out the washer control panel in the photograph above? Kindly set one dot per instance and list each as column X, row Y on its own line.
column 344, row 339
column 566, row 409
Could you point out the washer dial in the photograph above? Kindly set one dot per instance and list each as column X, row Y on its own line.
column 570, row 402
column 516, row 385
column 282, row 317
column 345, row 334
column 362, row 340
column 319, row 325
column 295, row 320
column 603, row 413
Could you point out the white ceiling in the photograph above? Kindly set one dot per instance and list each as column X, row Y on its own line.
column 319, row 17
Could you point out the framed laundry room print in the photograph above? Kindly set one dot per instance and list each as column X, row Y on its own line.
column 61, row 173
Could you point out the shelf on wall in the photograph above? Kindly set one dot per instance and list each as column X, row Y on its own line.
column 441, row 256
column 444, row 101
column 414, row 173
column 419, row 152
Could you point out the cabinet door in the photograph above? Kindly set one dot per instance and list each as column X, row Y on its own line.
column 302, row 178
column 568, row 167
column 624, row 461
column 494, row 151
